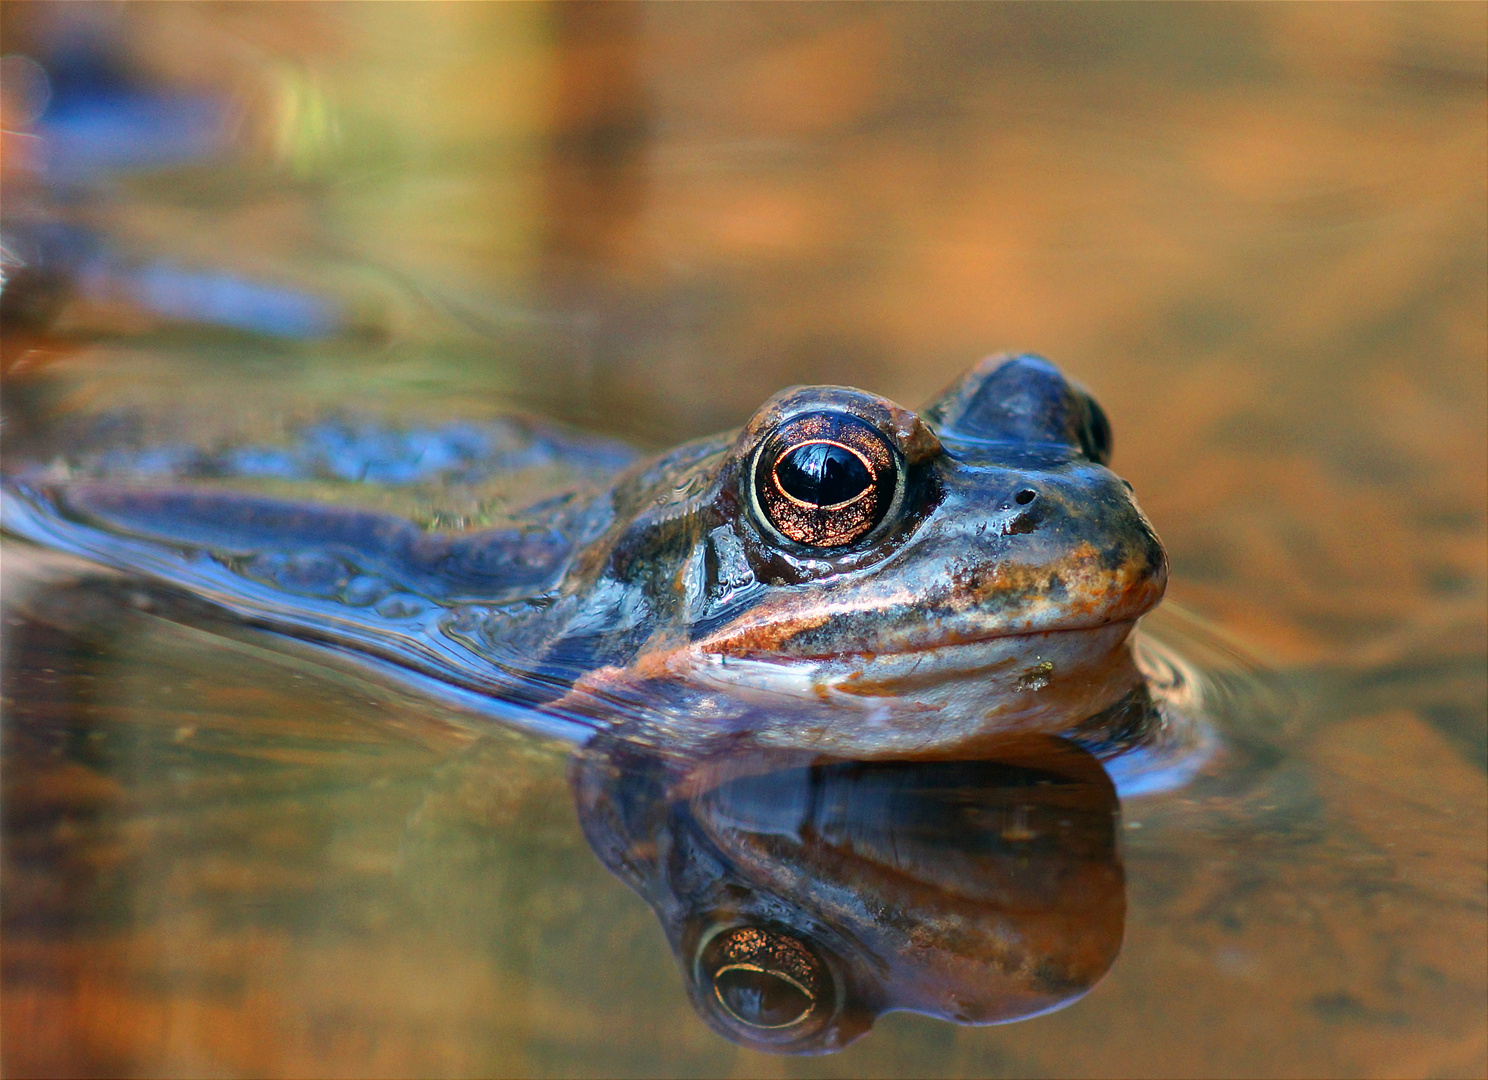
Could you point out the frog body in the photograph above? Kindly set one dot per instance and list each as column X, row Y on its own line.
column 840, row 575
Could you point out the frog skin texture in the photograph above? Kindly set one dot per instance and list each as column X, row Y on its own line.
column 984, row 577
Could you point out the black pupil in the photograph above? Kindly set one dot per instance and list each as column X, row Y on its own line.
column 760, row 998
column 822, row 474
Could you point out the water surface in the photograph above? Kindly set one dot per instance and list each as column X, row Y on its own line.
column 1258, row 233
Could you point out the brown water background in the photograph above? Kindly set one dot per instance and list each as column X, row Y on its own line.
column 1257, row 232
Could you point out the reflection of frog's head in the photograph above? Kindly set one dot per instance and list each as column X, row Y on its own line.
column 974, row 568
column 803, row 899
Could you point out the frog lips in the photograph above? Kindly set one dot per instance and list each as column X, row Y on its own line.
column 933, row 696
column 804, row 640
column 1007, row 637
column 949, row 643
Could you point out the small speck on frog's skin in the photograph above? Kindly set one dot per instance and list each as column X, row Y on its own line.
column 1019, row 830
column 1037, row 679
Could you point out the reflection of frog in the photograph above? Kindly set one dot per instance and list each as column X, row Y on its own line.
column 805, row 896
column 840, row 576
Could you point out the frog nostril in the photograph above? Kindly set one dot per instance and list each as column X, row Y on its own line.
column 1024, row 497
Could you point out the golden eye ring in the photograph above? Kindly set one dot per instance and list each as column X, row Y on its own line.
column 765, row 982
column 761, row 977
column 780, row 486
column 825, row 479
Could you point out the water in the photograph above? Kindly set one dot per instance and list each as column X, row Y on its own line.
column 1256, row 233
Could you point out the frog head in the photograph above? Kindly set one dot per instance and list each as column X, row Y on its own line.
column 883, row 581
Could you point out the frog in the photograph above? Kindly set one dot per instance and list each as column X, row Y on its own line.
column 840, row 575
column 851, row 690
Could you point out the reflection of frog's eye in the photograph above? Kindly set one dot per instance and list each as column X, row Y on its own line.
column 761, row 998
column 766, row 982
column 825, row 479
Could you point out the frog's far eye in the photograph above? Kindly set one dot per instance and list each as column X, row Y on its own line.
column 1095, row 434
column 825, row 479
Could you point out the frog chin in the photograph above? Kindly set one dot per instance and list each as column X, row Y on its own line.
column 937, row 696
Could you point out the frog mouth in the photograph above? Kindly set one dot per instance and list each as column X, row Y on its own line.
column 747, row 646
column 934, row 697
column 985, row 605
column 960, row 641
column 989, row 668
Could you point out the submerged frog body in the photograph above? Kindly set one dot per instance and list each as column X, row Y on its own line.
column 841, row 575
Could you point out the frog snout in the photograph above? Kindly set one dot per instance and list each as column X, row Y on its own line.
column 1026, row 512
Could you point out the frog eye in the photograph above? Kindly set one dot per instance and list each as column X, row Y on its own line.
column 825, row 479
column 1095, row 432
column 765, row 983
